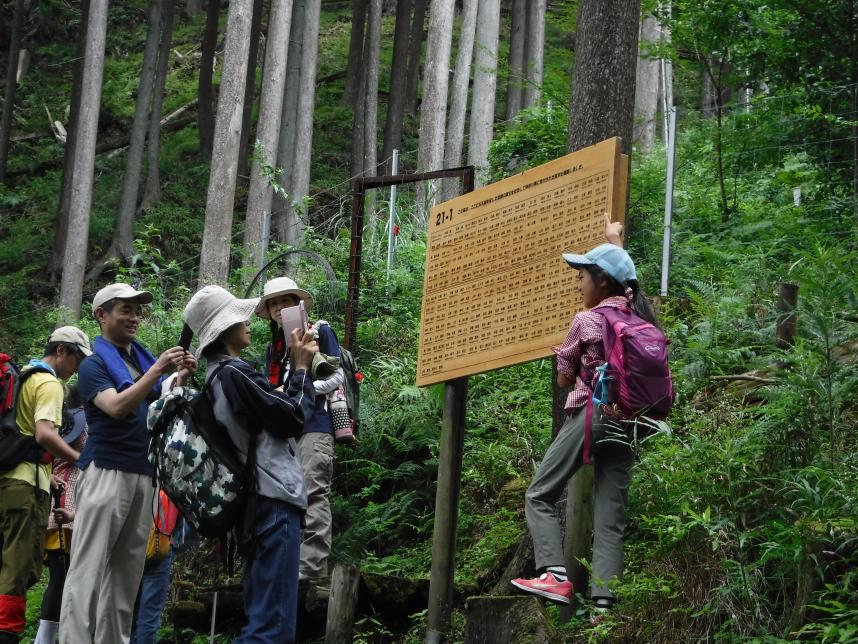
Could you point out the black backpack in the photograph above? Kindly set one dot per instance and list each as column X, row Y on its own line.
column 15, row 448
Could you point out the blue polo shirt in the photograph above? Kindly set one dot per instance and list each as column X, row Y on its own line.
column 113, row 444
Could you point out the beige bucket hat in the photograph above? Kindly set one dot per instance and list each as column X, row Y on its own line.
column 281, row 286
column 212, row 310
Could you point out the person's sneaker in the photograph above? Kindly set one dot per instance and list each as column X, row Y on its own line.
column 548, row 586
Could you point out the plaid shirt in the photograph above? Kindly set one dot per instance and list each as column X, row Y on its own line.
column 582, row 351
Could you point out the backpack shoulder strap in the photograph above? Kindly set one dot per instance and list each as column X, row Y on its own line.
column 215, row 374
column 26, row 374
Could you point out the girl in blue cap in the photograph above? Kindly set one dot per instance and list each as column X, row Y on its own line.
column 608, row 279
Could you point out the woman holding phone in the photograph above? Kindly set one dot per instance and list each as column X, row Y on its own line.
column 316, row 443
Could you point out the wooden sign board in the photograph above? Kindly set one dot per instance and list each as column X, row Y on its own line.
column 496, row 291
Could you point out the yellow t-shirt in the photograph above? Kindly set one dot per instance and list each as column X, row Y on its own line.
column 41, row 399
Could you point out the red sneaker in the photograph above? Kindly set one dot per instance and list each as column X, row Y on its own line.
column 546, row 585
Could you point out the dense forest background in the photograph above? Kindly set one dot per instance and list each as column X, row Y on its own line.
column 744, row 518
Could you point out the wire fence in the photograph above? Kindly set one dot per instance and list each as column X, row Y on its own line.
column 827, row 134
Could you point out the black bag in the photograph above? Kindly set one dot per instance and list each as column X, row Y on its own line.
column 15, row 448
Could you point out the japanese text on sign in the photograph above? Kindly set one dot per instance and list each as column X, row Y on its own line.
column 496, row 289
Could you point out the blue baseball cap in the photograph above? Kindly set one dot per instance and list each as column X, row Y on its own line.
column 612, row 259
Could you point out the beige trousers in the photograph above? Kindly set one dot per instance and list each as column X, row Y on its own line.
column 114, row 516
column 317, row 461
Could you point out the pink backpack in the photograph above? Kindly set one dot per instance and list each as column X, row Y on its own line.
column 635, row 378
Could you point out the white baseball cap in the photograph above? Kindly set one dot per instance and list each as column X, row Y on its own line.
column 120, row 291
column 72, row 335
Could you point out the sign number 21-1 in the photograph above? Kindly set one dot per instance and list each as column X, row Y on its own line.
column 442, row 216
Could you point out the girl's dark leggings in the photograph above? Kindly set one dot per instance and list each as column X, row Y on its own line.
column 58, row 565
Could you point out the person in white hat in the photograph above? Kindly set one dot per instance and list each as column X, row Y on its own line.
column 114, row 498
column 316, row 443
column 264, row 421
column 24, row 489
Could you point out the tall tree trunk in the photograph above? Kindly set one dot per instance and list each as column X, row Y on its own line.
column 354, row 67
column 853, row 29
column 11, row 86
column 304, row 123
column 372, row 54
column 485, row 84
column 396, row 96
column 205, row 104
column 193, row 8
column 122, row 238
column 535, row 51
column 245, row 145
column 268, row 129
column 707, row 95
column 61, row 224
column 715, row 82
column 152, row 194
column 220, row 200
column 719, row 157
column 415, row 47
column 517, row 36
column 356, row 167
column 602, row 106
column 74, row 256
column 433, row 109
column 646, row 85
column 364, row 142
column 459, row 100
column 855, row 153
column 288, row 122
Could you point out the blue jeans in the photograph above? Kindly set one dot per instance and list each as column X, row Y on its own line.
column 151, row 598
column 271, row 578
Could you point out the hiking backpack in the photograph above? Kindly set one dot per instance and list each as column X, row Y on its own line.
column 351, row 385
column 196, row 463
column 15, row 448
column 352, row 378
column 635, row 378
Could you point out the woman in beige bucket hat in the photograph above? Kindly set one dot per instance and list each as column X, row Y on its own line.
column 264, row 421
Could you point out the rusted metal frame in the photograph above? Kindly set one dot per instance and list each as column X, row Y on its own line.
column 359, row 187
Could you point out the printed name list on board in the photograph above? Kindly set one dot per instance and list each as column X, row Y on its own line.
column 496, row 291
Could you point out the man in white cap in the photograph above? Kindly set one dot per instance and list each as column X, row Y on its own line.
column 114, row 494
column 24, row 489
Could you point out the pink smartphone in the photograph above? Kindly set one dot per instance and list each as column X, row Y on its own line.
column 294, row 317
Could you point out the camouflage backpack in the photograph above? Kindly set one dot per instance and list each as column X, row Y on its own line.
column 196, row 463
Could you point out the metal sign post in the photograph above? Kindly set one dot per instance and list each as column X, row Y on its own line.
column 668, row 201
column 452, row 422
column 496, row 293
column 391, row 220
